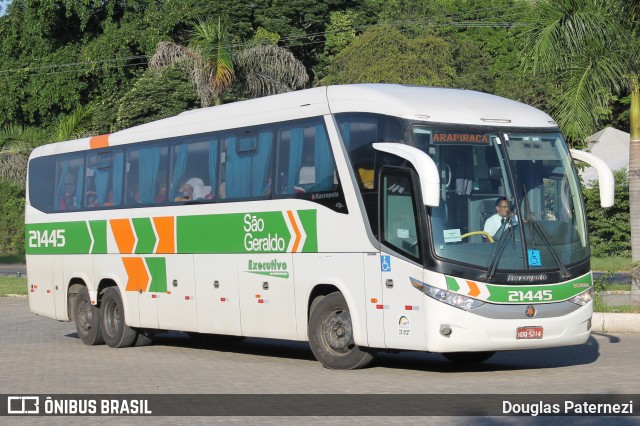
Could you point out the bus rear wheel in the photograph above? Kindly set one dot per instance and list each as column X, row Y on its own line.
column 87, row 319
column 331, row 335
column 116, row 333
column 467, row 358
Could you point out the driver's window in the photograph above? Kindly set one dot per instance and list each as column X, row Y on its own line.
column 399, row 215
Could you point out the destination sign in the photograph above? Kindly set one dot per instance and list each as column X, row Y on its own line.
column 456, row 137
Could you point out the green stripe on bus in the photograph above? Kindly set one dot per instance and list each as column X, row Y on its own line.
column 57, row 238
column 539, row 293
column 308, row 219
column 145, row 234
column 99, row 234
column 261, row 232
column 158, row 269
column 452, row 284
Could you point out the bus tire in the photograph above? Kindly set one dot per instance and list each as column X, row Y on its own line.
column 87, row 319
column 467, row 358
column 331, row 335
column 114, row 330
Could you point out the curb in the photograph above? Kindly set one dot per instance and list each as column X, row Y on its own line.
column 613, row 322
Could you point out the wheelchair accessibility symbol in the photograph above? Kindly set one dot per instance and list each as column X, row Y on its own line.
column 534, row 257
column 385, row 263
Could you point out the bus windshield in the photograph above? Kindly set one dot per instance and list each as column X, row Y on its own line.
column 509, row 201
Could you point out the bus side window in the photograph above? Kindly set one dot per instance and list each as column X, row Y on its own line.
column 146, row 172
column 69, row 183
column 103, row 185
column 195, row 170
column 247, row 167
column 305, row 162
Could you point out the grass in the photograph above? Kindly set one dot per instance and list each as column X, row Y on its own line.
column 13, row 285
column 618, row 287
column 611, row 264
column 625, row 309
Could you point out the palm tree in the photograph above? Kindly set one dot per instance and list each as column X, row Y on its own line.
column 259, row 70
column 593, row 48
column 17, row 142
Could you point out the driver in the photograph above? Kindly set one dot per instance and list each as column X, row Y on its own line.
column 493, row 224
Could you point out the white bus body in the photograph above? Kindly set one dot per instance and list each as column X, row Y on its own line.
column 350, row 216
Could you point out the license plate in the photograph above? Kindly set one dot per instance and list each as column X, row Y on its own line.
column 529, row 333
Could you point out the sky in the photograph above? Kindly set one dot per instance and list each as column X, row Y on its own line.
column 3, row 6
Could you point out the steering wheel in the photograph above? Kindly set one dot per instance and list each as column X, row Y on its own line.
column 485, row 233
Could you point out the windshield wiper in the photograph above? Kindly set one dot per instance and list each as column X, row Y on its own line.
column 497, row 251
column 563, row 270
column 537, row 227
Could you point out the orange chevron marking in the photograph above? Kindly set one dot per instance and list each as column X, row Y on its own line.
column 101, row 141
column 124, row 235
column 138, row 279
column 295, row 230
column 473, row 289
column 166, row 235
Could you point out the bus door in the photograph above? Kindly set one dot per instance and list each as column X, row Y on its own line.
column 267, row 298
column 400, row 261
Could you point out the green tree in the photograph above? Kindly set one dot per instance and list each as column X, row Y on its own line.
column 593, row 49
column 383, row 54
column 44, row 69
column 342, row 29
column 264, row 69
column 302, row 23
column 155, row 95
column 609, row 228
column 16, row 143
column 483, row 38
column 11, row 218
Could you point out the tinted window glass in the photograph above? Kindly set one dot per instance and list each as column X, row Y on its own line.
column 69, row 179
column 146, row 175
column 103, row 185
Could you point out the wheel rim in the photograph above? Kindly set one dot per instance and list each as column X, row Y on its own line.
column 112, row 318
column 337, row 332
column 84, row 316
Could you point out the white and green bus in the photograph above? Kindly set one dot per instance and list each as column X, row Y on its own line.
column 349, row 216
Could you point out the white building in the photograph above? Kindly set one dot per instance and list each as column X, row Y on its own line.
column 612, row 145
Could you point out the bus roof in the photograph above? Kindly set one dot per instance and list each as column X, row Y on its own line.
column 428, row 104
column 436, row 105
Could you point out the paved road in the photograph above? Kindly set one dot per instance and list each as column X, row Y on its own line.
column 43, row 356
column 6, row 269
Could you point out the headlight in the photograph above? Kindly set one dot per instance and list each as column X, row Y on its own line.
column 583, row 298
column 445, row 296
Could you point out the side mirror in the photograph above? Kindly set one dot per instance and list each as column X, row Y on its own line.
column 424, row 165
column 605, row 175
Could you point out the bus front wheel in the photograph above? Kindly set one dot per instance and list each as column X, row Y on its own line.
column 87, row 319
column 116, row 333
column 331, row 335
